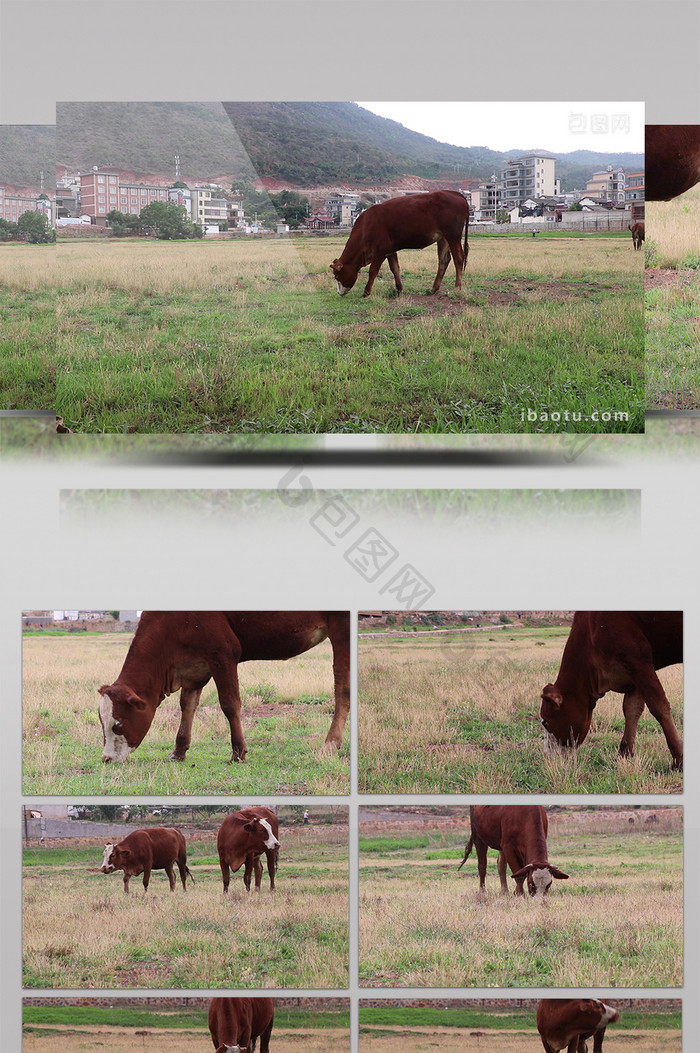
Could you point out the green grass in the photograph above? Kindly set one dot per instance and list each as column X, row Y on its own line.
column 510, row 1019
column 673, row 344
column 116, row 1016
column 28, row 332
column 257, row 340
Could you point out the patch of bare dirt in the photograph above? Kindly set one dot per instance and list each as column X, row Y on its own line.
column 663, row 277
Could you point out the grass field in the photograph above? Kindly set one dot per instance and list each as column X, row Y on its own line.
column 392, row 1029
column 70, row 1029
column 286, row 710
column 251, row 336
column 459, row 713
column 28, row 333
column 80, row 930
column 672, row 294
column 617, row 921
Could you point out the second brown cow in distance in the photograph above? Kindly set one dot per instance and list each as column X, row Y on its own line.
column 566, row 1023
column 518, row 832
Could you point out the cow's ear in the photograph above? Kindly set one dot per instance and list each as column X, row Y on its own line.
column 555, row 872
column 524, row 870
column 250, row 825
column 552, row 695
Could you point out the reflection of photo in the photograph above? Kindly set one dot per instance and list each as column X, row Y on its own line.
column 272, row 685
column 173, row 896
column 209, row 250
column 520, row 701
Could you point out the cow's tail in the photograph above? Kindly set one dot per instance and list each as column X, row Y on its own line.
column 188, row 872
column 467, row 849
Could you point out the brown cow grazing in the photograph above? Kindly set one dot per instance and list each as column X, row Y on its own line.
column 158, row 848
column 519, row 833
column 671, row 161
column 566, row 1023
column 237, row 1023
column 185, row 649
column 243, row 837
column 614, row 651
column 411, row 222
column 637, row 234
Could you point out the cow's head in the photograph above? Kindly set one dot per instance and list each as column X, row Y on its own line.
column 539, row 877
column 565, row 723
column 345, row 276
column 261, row 830
column 229, row 1049
column 107, row 865
column 125, row 719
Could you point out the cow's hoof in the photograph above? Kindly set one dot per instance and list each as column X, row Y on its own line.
column 176, row 757
column 677, row 765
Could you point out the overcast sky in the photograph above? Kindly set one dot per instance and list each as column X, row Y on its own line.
column 503, row 126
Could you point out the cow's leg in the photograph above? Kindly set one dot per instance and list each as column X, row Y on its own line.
column 393, row 261
column 648, row 683
column 481, row 851
column 146, row 878
column 632, row 707
column 183, row 874
column 515, row 865
column 248, row 870
column 170, row 871
column 126, row 882
column 457, row 253
column 374, row 266
column 271, row 857
column 339, row 635
column 502, row 872
column 226, row 680
column 444, row 256
column 265, row 1039
column 189, row 700
column 258, row 867
column 598, row 1040
column 225, row 873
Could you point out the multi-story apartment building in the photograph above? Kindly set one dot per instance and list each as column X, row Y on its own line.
column 342, row 207
column 634, row 187
column 102, row 191
column 483, row 201
column 607, row 186
column 208, row 207
column 12, row 206
column 531, row 176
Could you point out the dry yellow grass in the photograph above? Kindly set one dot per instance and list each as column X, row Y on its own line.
column 25, row 267
column 459, row 1040
column 673, row 226
column 125, row 1040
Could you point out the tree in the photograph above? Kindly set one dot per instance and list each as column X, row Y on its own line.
column 34, row 228
column 167, row 220
column 292, row 207
column 8, row 231
column 123, row 224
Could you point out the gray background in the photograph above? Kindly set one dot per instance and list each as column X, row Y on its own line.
column 326, row 50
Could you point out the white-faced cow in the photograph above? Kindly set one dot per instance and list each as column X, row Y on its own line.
column 174, row 650
column 519, row 833
column 237, row 1023
column 614, row 651
column 637, row 230
column 243, row 837
column 671, row 160
column 142, row 851
column 566, row 1023
column 411, row 222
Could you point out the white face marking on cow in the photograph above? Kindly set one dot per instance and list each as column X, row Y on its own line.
column 107, row 867
column 541, row 879
column 551, row 744
column 272, row 841
column 116, row 746
column 341, row 288
column 609, row 1015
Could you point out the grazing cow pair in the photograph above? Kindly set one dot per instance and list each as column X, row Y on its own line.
column 637, row 234
column 174, row 650
column 519, row 834
column 236, row 1024
column 243, row 837
column 411, row 222
column 566, row 1023
column 614, row 651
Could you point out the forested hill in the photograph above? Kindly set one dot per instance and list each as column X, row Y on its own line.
column 301, row 143
column 27, row 150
